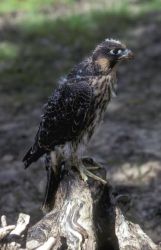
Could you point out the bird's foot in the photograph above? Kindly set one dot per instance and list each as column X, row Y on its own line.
column 82, row 172
column 91, row 164
column 85, row 173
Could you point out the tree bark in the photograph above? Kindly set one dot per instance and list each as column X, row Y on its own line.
column 83, row 216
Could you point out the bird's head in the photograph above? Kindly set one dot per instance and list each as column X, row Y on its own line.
column 107, row 54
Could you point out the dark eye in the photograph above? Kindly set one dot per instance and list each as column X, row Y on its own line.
column 115, row 51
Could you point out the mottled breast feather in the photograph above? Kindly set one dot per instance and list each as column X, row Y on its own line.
column 102, row 89
column 65, row 115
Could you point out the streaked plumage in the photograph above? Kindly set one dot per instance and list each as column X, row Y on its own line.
column 75, row 109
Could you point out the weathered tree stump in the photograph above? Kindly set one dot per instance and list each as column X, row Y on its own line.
column 83, row 216
column 78, row 219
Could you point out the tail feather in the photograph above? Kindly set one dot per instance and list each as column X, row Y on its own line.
column 32, row 156
column 53, row 181
column 50, row 190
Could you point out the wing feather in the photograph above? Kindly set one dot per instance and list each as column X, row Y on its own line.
column 65, row 115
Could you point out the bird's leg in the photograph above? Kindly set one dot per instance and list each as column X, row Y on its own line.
column 75, row 161
column 84, row 172
column 57, row 159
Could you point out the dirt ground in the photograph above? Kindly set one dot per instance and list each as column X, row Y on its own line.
column 128, row 143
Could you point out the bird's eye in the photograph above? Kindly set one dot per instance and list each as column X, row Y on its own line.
column 115, row 51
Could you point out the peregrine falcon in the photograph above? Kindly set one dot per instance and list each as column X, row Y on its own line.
column 76, row 107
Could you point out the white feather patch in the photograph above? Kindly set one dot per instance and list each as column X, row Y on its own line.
column 112, row 40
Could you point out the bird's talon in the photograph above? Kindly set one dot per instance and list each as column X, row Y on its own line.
column 91, row 164
column 85, row 173
column 84, row 177
column 95, row 177
column 82, row 171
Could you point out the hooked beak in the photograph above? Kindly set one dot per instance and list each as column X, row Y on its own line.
column 127, row 54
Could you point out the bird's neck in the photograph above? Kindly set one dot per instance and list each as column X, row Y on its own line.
column 103, row 83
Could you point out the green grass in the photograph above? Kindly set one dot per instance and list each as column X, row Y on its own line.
column 32, row 6
column 28, row 5
column 150, row 5
column 48, row 49
column 36, row 49
column 8, row 51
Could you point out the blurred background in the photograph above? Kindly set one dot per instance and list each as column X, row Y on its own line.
column 40, row 40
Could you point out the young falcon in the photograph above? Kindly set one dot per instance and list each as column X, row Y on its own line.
column 77, row 106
